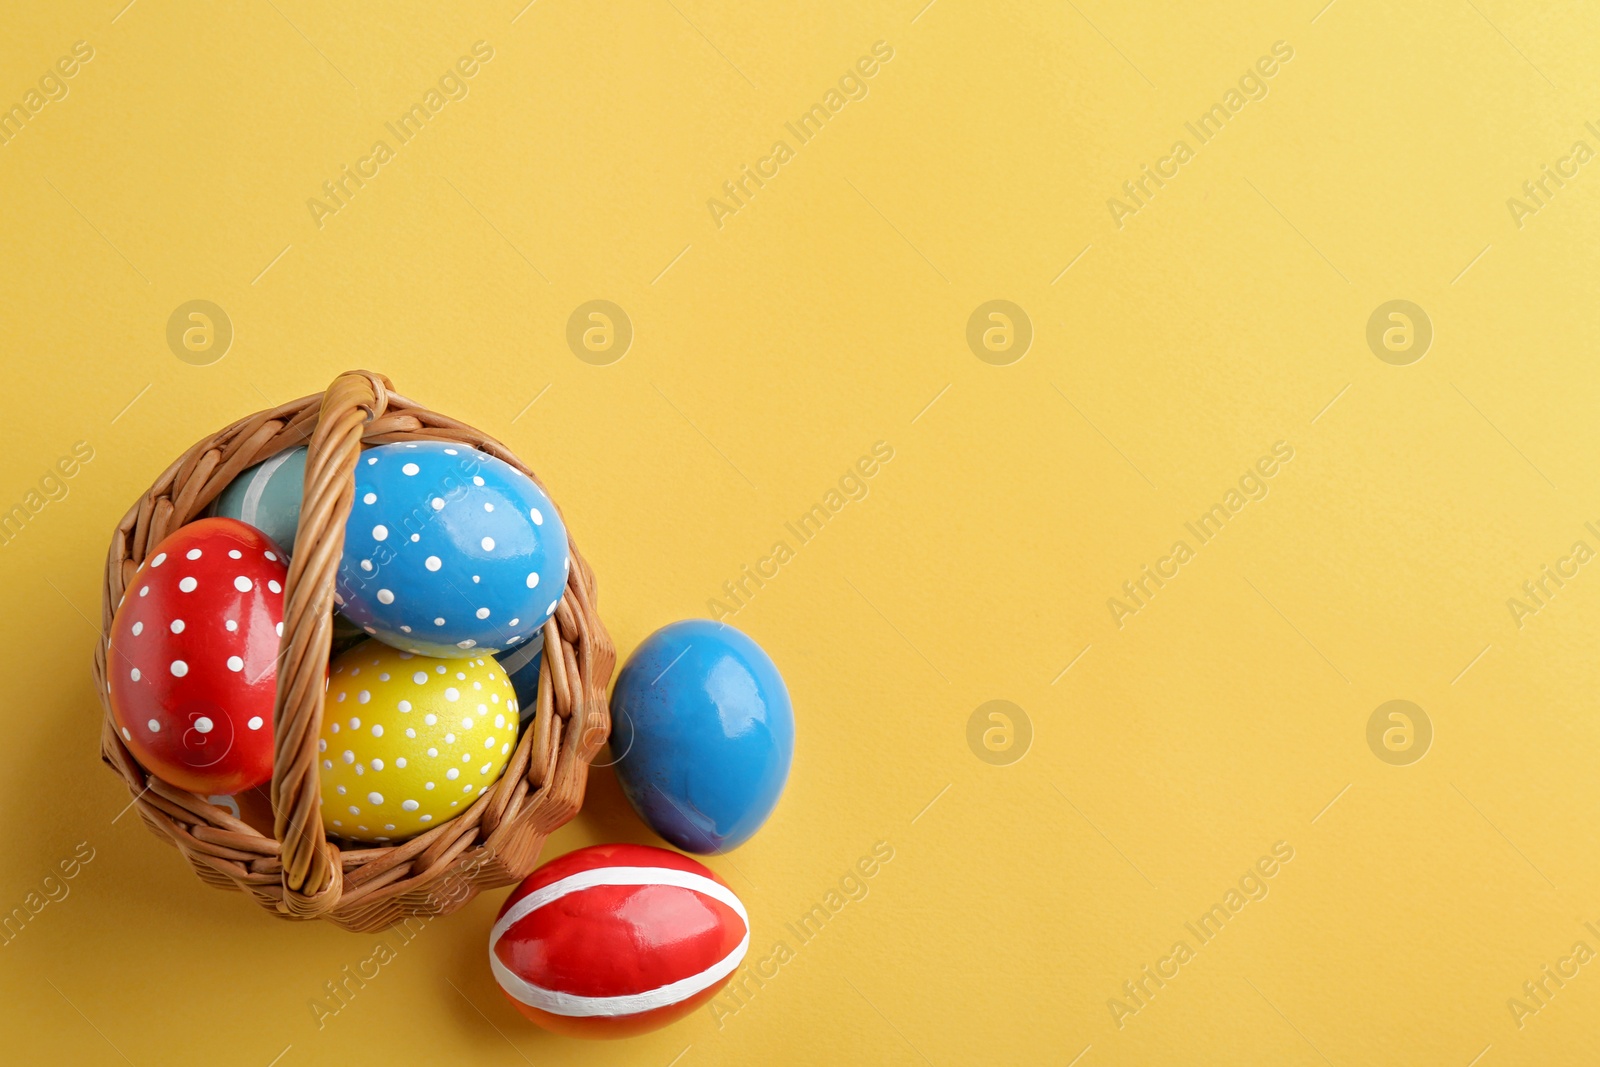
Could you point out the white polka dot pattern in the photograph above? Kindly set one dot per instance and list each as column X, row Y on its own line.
column 409, row 737
column 192, row 698
column 445, row 554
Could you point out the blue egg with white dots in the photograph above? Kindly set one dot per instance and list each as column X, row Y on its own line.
column 449, row 551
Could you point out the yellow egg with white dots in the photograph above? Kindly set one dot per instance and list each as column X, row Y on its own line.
column 408, row 741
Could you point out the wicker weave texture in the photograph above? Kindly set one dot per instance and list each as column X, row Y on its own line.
column 297, row 872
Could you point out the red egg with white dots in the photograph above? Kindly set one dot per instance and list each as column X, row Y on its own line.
column 193, row 657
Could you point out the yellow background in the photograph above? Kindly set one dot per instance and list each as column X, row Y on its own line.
column 1228, row 714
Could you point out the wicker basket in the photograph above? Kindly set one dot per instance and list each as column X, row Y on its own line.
column 298, row 873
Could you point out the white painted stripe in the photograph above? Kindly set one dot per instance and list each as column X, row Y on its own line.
column 569, row 1004
column 619, row 876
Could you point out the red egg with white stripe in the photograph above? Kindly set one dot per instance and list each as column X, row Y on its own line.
column 192, row 660
column 616, row 940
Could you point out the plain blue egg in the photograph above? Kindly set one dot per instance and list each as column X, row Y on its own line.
column 449, row 551
column 702, row 733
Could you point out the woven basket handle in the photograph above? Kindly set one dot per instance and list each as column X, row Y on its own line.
column 312, row 877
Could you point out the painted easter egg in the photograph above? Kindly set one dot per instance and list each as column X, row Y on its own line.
column 702, row 734
column 410, row 741
column 449, row 551
column 193, row 657
column 267, row 496
column 521, row 665
column 616, row 940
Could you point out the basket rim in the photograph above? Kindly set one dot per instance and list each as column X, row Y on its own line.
column 298, row 871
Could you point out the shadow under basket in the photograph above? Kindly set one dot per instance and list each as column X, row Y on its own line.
column 297, row 873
